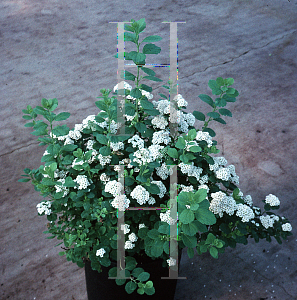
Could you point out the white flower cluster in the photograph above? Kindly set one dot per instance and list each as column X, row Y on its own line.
column 121, row 202
column 100, row 252
column 165, row 217
column 268, row 220
column 60, row 174
column 204, row 136
column 181, row 102
column 132, row 238
column 127, row 86
column 141, row 226
column 77, row 162
column 223, row 173
column 61, row 188
column 191, row 170
column 272, row 200
column 155, row 151
column 125, row 228
column 162, row 136
column 185, row 188
column 117, row 146
column 136, row 142
column 82, row 181
column 244, row 212
column 183, row 120
column 140, row 194
column 44, row 207
column 114, row 187
column 142, row 156
column 161, row 186
column 171, row 262
column 104, row 177
column 159, row 122
column 287, row 227
column 248, row 200
column 163, row 171
column 221, row 203
column 104, row 160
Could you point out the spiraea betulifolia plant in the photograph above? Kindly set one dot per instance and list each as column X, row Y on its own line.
column 79, row 177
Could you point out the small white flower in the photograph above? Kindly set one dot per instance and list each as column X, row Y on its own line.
column 132, row 237
column 100, row 252
column 171, row 262
column 129, row 245
column 287, row 227
column 272, row 200
column 44, row 207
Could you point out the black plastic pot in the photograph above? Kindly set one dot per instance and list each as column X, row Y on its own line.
column 99, row 287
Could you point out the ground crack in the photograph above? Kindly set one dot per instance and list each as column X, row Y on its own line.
column 244, row 53
column 7, row 153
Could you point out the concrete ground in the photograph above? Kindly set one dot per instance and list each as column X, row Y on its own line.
column 63, row 49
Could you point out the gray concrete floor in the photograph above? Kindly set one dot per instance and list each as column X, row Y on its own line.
column 64, row 49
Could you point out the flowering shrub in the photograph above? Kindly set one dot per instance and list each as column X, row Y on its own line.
column 81, row 170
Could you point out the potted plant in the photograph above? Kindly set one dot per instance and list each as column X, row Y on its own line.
column 96, row 172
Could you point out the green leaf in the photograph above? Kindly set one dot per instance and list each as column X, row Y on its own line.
column 141, row 24
column 62, row 116
column 229, row 81
column 128, row 28
column 131, row 37
column 153, row 234
column 69, row 182
column 192, row 134
column 214, row 87
column 105, row 151
column 130, row 287
column 200, row 195
column 29, row 124
column 221, row 102
column 151, row 39
column 189, row 241
column 165, row 229
column 153, row 78
column 69, row 148
column 220, row 120
column 195, row 149
column 138, row 58
column 187, row 216
column 213, row 115
column 220, row 81
column 146, row 87
column 181, row 144
column 148, row 71
column 214, row 252
column 27, row 117
column 136, row 93
column 60, row 130
column 210, row 131
column 190, row 252
column 144, row 276
column 225, row 112
column 151, row 49
column 127, row 75
column 205, row 216
column 149, row 291
column 101, row 138
column 229, row 98
column 129, row 109
column 141, row 127
column 40, row 110
column 190, row 229
column 24, row 180
column 206, row 99
column 199, row 115
column 145, row 104
column 153, row 189
column 136, row 272
column 172, row 152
